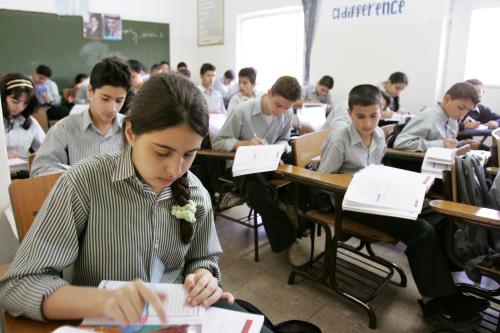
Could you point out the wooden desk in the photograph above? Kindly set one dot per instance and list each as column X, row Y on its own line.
column 25, row 325
column 483, row 216
column 391, row 152
column 216, row 154
column 324, row 181
column 492, row 170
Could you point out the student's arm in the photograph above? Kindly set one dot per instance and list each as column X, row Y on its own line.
column 413, row 136
column 228, row 138
column 51, row 245
column 39, row 134
column 222, row 108
column 284, row 136
column 490, row 118
column 332, row 157
column 233, row 103
column 54, row 93
column 52, row 155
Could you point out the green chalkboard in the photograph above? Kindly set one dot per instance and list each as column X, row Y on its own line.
column 29, row 39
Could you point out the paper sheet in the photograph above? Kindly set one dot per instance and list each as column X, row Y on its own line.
column 255, row 159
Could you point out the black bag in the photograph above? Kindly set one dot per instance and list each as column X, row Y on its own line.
column 391, row 138
column 289, row 326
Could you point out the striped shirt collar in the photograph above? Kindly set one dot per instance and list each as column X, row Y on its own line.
column 87, row 121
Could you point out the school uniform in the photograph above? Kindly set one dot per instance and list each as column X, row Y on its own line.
column 428, row 128
column 480, row 113
column 495, row 190
column 395, row 103
column 244, row 123
column 73, row 139
column 104, row 221
column 238, row 99
column 214, row 100
column 20, row 139
column 309, row 93
column 49, row 87
column 338, row 117
column 344, row 153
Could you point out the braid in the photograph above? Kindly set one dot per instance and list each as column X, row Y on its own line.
column 182, row 194
column 396, row 103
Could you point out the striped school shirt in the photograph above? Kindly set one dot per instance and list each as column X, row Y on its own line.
column 102, row 221
column 73, row 139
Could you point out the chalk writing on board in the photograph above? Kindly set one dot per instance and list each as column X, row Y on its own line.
column 95, row 51
column 136, row 36
column 381, row 8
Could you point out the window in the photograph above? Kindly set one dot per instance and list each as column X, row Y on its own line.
column 273, row 43
column 483, row 49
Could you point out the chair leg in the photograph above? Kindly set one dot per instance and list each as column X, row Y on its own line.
column 313, row 232
column 256, row 236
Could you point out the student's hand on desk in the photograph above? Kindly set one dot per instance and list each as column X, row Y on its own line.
column 386, row 114
column 126, row 304
column 203, row 289
column 13, row 153
column 492, row 124
column 474, row 144
column 403, row 111
column 257, row 141
column 450, row 143
column 471, row 124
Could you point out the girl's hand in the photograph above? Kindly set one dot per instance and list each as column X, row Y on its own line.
column 13, row 153
column 203, row 289
column 126, row 304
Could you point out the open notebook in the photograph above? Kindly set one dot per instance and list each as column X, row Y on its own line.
column 255, row 159
column 383, row 190
column 437, row 160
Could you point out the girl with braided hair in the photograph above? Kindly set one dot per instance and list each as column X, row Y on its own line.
column 112, row 216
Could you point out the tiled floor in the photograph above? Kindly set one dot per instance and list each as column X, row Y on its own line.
column 264, row 284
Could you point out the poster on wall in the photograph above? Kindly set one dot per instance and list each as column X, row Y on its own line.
column 210, row 22
column 112, row 27
column 92, row 26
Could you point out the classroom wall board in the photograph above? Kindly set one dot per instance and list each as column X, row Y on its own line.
column 29, row 39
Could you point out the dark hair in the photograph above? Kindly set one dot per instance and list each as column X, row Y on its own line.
column 398, row 77
column 167, row 100
column 388, row 98
column 287, row 87
column 248, row 72
column 164, row 62
column 326, row 81
column 14, row 85
column 229, row 74
column 135, row 65
column 474, row 82
column 155, row 67
column 80, row 77
column 186, row 72
column 463, row 90
column 44, row 70
column 364, row 95
column 110, row 72
column 181, row 64
column 206, row 67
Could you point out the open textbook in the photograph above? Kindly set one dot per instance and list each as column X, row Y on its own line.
column 383, row 190
column 437, row 160
column 255, row 159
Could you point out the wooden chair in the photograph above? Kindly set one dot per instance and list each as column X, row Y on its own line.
column 495, row 135
column 27, row 197
column 41, row 116
column 341, row 274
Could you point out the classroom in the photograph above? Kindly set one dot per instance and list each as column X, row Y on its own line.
column 236, row 139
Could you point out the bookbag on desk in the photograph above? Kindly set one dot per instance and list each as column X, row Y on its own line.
column 475, row 245
column 391, row 138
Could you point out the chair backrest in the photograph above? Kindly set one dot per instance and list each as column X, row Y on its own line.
column 388, row 129
column 27, row 197
column 450, row 179
column 496, row 142
column 31, row 158
column 308, row 146
column 41, row 116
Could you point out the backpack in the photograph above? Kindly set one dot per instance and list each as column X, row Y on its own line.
column 391, row 138
column 475, row 245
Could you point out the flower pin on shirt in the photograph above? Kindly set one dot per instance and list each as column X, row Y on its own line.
column 186, row 212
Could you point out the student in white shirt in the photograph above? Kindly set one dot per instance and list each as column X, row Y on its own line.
column 317, row 93
column 223, row 84
column 214, row 99
column 23, row 134
column 91, row 132
column 394, row 85
column 136, row 75
column 246, row 84
column 46, row 89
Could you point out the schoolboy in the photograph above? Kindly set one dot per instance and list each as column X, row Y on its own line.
column 480, row 114
column 265, row 120
column 92, row 132
column 46, row 89
column 246, row 84
column 136, row 75
column 437, row 126
column 224, row 84
column 362, row 143
column 317, row 93
column 394, row 85
column 215, row 103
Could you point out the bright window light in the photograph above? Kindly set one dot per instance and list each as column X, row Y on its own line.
column 273, row 43
column 483, row 50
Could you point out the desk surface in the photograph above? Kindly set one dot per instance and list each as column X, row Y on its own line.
column 217, row 154
column 326, row 181
column 404, row 153
column 475, row 132
column 24, row 325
